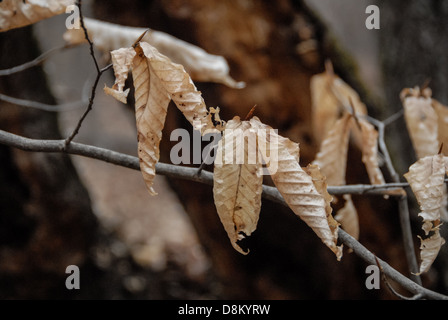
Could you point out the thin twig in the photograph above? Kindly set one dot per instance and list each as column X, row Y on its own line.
column 35, row 62
column 205, row 177
column 393, row 117
column 86, row 35
column 89, row 106
column 386, row 281
column 97, row 79
column 42, row 106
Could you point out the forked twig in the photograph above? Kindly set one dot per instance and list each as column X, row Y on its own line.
column 97, row 79
column 386, row 281
column 35, row 62
column 403, row 208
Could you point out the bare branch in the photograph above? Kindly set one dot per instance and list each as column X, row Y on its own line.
column 393, row 274
column 393, row 117
column 403, row 209
column 269, row 193
column 35, row 62
column 42, row 106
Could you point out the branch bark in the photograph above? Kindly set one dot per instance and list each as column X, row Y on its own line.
column 188, row 173
column 403, row 208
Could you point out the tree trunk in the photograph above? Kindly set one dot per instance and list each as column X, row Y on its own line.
column 414, row 51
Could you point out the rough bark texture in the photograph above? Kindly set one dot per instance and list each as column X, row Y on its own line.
column 259, row 39
column 413, row 51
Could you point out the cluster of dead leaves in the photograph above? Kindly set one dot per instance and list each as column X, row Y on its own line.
column 338, row 113
column 237, row 184
column 427, row 121
column 163, row 68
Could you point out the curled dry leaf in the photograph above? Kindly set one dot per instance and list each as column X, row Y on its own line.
column 426, row 178
column 442, row 117
column 122, row 60
column 237, row 184
column 429, row 249
column 325, row 106
column 347, row 216
column 157, row 80
column 370, row 151
column 296, row 186
column 19, row 13
column 421, row 121
column 331, row 97
column 332, row 156
column 201, row 65
column 176, row 84
column 332, row 161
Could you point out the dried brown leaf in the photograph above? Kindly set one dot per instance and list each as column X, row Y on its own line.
column 122, row 60
column 429, row 250
column 237, row 185
column 421, row 121
column 332, row 156
column 426, row 178
column 442, row 117
column 177, row 86
column 370, row 152
column 320, row 183
column 157, row 80
column 331, row 97
column 325, row 106
column 151, row 105
column 19, row 13
column 296, row 186
column 200, row 65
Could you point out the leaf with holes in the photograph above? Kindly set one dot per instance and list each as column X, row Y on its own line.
column 347, row 216
column 429, row 250
column 426, row 178
column 122, row 60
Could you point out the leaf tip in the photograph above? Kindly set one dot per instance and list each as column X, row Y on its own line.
column 117, row 94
